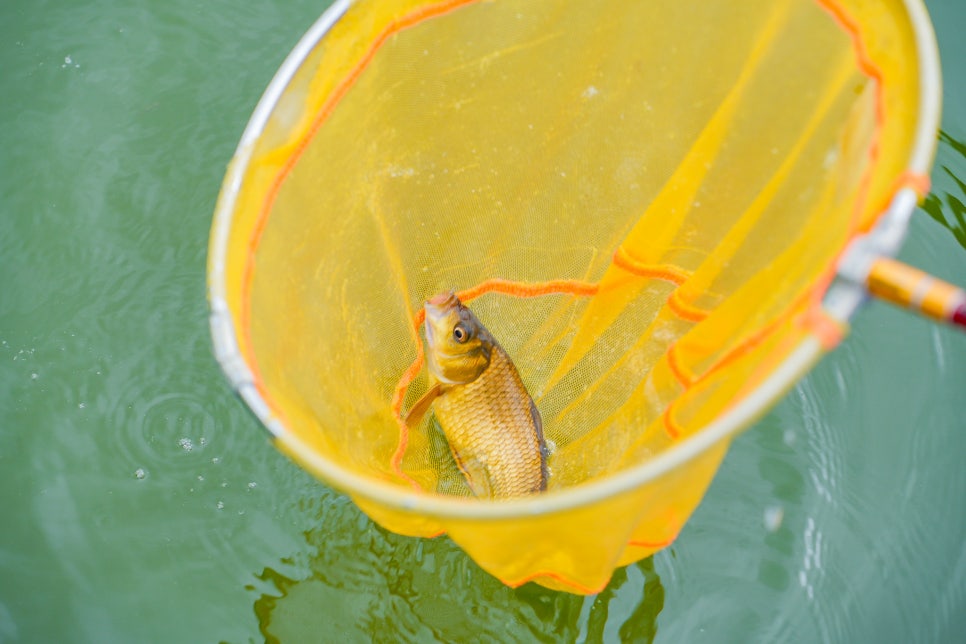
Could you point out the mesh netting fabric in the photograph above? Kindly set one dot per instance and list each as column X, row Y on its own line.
column 644, row 208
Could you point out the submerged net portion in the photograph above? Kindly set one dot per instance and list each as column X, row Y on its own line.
column 642, row 201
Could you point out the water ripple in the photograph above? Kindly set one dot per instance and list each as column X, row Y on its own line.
column 140, row 488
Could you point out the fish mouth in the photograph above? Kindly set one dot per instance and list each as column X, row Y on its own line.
column 442, row 298
column 439, row 305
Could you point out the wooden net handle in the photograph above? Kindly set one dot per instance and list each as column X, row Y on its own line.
column 913, row 289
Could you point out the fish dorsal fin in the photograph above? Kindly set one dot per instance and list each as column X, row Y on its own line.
column 421, row 406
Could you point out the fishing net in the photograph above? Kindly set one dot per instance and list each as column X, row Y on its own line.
column 645, row 202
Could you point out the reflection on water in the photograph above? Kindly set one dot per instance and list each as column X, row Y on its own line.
column 627, row 610
column 378, row 586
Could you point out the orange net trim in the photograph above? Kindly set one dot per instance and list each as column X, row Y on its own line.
column 671, row 426
column 667, row 272
column 621, row 257
column 829, row 331
column 684, row 310
column 918, row 182
column 586, row 590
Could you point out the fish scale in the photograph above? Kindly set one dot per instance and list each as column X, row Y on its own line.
column 492, row 433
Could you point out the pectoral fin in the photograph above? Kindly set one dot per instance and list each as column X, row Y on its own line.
column 477, row 476
column 538, row 428
column 421, row 406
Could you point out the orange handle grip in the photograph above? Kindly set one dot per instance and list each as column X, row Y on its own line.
column 909, row 287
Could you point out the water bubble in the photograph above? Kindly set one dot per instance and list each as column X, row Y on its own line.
column 140, row 473
column 81, row 405
column 34, row 376
column 203, row 441
column 186, row 444
column 220, row 505
column 252, row 485
column 773, row 517
column 201, row 478
column 215, row 460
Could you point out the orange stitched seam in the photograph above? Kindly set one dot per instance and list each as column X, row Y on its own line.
column 671, row 426
column 398, row 396
column 657, row 544
column 815, row 321
column 731, row 356
column 867, row 67
column 680, row 372
column 684, row 310
column 586, row 590
column 666, row 272
column 814, row 294
column 524, row 289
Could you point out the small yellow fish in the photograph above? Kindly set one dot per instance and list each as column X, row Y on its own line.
column 492, row 426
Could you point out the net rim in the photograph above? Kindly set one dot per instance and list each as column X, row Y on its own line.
column 843, row 298
column 848, row 292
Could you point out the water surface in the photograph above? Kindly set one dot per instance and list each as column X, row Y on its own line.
column 143, row 503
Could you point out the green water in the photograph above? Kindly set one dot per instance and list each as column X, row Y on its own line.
column 141, row 501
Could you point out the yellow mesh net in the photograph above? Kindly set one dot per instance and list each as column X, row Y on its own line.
column 644, row 202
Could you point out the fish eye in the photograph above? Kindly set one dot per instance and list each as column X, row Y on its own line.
column 460, row 334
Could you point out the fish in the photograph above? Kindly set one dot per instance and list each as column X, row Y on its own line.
column 493, row 427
